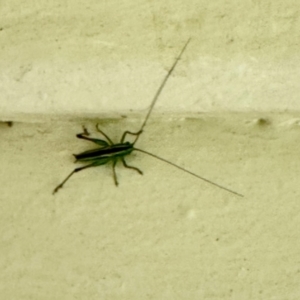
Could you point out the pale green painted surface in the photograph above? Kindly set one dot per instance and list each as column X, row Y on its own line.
column 164, row 235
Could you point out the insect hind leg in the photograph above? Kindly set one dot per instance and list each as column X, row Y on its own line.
column 131, row 167
column 68, row 177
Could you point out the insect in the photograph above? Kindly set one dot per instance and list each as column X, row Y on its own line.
column 111, row 152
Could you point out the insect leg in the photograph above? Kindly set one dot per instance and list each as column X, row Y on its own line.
column 98, row 162
column 131, row 167
column 68, row 177
column 85, row 131
column 96, row 141
column 106, row 136
column 132, row 133
column 114, row 172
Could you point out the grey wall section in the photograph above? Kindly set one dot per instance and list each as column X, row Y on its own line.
column 106, row 57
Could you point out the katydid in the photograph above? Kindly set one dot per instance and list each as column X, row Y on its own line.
column 111, row 152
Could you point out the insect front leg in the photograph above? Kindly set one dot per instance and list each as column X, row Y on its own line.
column 132, row 133
column 131, row 167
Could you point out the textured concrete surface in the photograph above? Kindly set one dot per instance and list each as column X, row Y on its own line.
column 108, row 57
column 164, row 235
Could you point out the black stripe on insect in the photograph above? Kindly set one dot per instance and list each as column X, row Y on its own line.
column 110, row 152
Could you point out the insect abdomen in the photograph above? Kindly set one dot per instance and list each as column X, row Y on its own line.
column 111, row 151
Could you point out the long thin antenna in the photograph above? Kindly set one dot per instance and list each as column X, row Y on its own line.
column 161, row 88
column 180, row 168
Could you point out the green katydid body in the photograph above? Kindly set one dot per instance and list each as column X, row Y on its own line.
column 108, row 152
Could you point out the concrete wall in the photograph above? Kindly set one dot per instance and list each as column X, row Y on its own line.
column 229, row 113
column 82, row 57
